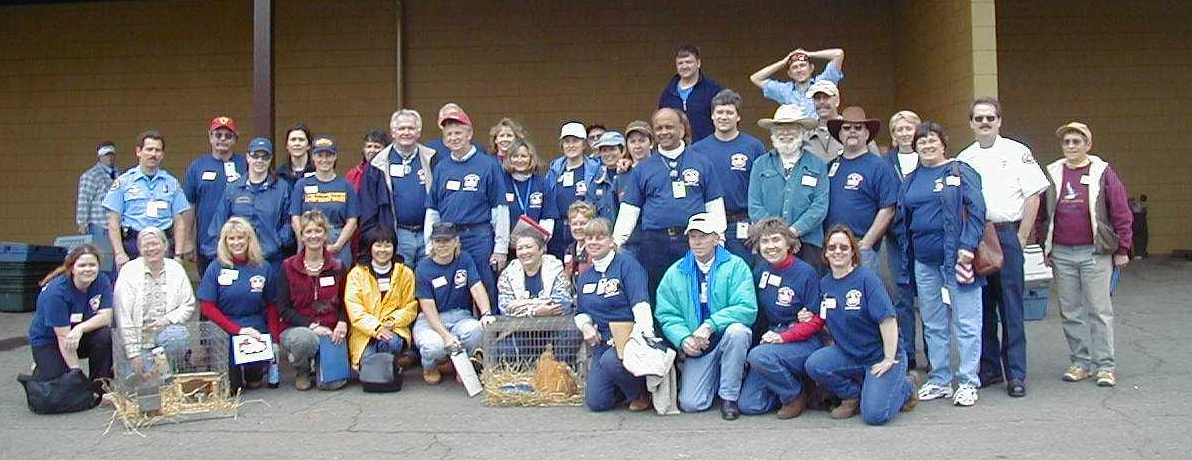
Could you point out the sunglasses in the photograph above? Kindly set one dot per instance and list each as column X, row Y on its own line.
column 259, row 156
column 984, row 118
column 852, row 127
column 223, row 135
column 838, row 247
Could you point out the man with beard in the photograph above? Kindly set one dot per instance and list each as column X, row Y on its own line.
column 864, row 187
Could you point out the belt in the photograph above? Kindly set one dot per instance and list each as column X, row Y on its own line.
column 464, row 228
column 128, row 234
column 669, row 231
column 1005, row 225
column 412, row 228
column 737, row 216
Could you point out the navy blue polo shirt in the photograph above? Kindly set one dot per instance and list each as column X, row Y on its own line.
column 336, row 199
column 602, row 192
column 407, row 181
column 610, row 296
column 529, row 197
column 448, row 285
column 656, row 181
column 782, row 293
column 464, row 192
column 205, row 181
column 859, row 188
column 853, row 307
column 61, row 304
column 926, row 211
column 564, row 192
column 241, row 292
column 731, row 163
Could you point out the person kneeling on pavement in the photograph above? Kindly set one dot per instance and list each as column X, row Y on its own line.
column 706, row 302
column 153, row 302
column 379, row 298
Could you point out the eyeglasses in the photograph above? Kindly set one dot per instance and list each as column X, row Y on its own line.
column 259, row 156
column 223, row 135
column 984, row 118
column 852, row 127
column 838, row 247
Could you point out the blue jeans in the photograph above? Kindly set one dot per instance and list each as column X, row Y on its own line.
column 941, row 321
column 657, row 251
column 717, row 371
column 737, row 246
column 393, row 346
column 870, row 258
column 1002, row 303
column 775, row 375
column 411, row 246
column 608, row 382
column 881, row 397
column 459, row 323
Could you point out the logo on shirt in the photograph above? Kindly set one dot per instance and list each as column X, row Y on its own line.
column 581, row 188
column 326, row 197
column 471, row 182
column 691, row 177
column 853, row 181
column 1028, row 158
column 243, row 199
column 1070, row 193
column 94, row 302
column 739, row 161
column 786, row 296
column 422, row 177
column 256, row 284
column 133, row 193
column 536, row 200
column 852, row 300
column 612, row 287
column 939, row 185
column 461, row 278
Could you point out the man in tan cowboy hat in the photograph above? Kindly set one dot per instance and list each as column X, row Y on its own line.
column 790, row 182
column 864, row 187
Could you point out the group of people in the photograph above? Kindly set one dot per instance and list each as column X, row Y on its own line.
column 760, row 266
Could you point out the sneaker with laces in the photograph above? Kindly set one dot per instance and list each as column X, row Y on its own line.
column 966, row 395
column 1075, row 374
column 930, row 391
column 1106, row 378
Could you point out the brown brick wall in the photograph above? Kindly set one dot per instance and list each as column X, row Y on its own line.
column 1127, row 72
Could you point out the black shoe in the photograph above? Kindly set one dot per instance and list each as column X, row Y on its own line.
column 988, row 381
column 1016, row 388
column 729, row 410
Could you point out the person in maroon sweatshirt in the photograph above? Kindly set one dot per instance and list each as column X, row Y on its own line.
column 310, row 301
column 1089, row 236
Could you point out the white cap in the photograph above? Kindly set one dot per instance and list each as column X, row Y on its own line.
column 573, row 128
column 704, row 222
column 823, row 86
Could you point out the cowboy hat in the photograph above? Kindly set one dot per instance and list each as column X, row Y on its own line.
column 786, row 115
column 854, row 114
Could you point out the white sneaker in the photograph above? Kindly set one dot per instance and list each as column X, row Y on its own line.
column 930, row 391
column 966, row 395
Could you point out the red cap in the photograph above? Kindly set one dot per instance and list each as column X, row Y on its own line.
column 223, row 122
column 798, row 57
column 457, row 115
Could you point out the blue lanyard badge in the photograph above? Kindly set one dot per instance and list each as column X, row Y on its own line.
column 524, row 201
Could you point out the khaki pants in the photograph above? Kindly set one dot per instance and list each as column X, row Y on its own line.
column 1082, row 284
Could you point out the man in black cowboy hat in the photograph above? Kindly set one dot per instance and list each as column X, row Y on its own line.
column 864, row 189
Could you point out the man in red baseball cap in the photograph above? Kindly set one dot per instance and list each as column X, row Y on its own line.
column 206, row 177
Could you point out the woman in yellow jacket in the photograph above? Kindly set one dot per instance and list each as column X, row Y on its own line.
column 379, row 296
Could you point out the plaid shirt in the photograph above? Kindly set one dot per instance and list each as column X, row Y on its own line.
column 93, row 186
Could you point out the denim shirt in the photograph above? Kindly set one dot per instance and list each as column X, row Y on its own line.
column 958, row 234
column 801, row 200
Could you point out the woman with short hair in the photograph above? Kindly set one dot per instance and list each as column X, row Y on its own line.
column 534, row 283
column 379, row 298
column 153, row 301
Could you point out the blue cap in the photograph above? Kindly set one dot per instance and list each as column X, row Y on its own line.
column 260, row 144
column 323, row 144
column 610, row 139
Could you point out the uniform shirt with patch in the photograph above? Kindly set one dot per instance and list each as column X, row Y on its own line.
column 448, row 285
column 206, row 179
column 860, row 187
column 656, row 182
column 852, row 308
column 782, row 293
column 732, row 162
column 408, row 182
column 464, row 192
column 1009, row 175
column 240, row 291
column 568, row 188
column 336, row 199
column 611, row 295
column 529, row 197
column 61, row 304
column 926, row 212
column 144, row 201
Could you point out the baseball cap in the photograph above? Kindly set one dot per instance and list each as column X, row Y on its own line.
column 705, row 223
column 823, row 86
column 223, row 122
column 798, row 57
column 573, row 128
column 610, row 139
column 259, row 144
column 1077, row 126
column 641, row 127
column 454, row 113
column 443, row 231
column 106, row 148
column 323, row 144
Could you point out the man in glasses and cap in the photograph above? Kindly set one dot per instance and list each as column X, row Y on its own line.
column 864, row 187
column 206, row 179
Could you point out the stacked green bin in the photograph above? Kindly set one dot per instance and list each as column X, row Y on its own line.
column 21, row 267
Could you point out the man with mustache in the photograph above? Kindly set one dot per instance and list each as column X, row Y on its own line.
column 864, row 187
column 205, row 181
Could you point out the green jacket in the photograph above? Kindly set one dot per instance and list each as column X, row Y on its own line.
column 732, row 298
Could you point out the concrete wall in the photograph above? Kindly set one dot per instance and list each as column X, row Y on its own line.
column 1125, row 68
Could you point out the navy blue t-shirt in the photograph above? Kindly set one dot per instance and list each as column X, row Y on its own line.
column 610, row 296
column 853, row 307
column 782, row 293
column 336, row 199
column 656, row 181
column 528, row 197
column 61, row 304
column 464, row 192
column 240, row 291
column 533, row 283
column 860, row 187
column 407, row 180
column 568, row 188
column 731, row 162
column 448, row 285
column 926, row 211
column 206, row 178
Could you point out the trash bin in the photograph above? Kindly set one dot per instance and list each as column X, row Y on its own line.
column 21, row 267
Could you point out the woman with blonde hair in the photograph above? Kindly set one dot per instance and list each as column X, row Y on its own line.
column 903, row 157
column 526, row 188
column 503, row 136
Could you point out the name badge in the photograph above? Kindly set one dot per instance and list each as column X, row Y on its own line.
column 776, row 281
column 452, row 185
column 325, row 281
column 952, row 180
column 832, row 170
column 1086, row 180
column 308, row 174
column 383, row 284
column 230, row 171
column 310, row 189
column 227, row 276
column 154, row 208
column 397, row 170
column 209, row 175
column 76, row 318
column 761, row 283
column 601, row 286
column 742, row 230
column 509, row 197
column 946, row 296
column 678, row 190
column 825, row 305
column 568, row 179
column 439, row 282
column 810, row 181
column 589, row 288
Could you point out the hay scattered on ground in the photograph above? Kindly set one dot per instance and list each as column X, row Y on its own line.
column 176, row 406
column 512, row 385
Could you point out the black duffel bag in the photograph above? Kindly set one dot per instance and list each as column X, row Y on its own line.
column 379, row 373
column 69, row 392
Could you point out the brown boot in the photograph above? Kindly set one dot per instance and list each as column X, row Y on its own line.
column 794, row 408
column 432, row 375
column 302, row 381
column 916, row 378
column 846, row 409
column 406, row 360
column 641, row 403
column 446, row 368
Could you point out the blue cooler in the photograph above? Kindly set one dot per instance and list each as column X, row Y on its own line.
column 1037, row 291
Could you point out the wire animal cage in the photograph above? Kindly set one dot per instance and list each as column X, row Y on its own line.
column 536, row 361
column 177, row 373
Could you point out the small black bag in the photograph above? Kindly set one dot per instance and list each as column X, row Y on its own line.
column 69, row 392
column 379, row 373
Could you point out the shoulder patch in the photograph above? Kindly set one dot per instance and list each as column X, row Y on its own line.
column 1027, row 158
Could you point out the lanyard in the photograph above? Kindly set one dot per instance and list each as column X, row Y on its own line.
column 673, row 165
column 524, row 202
